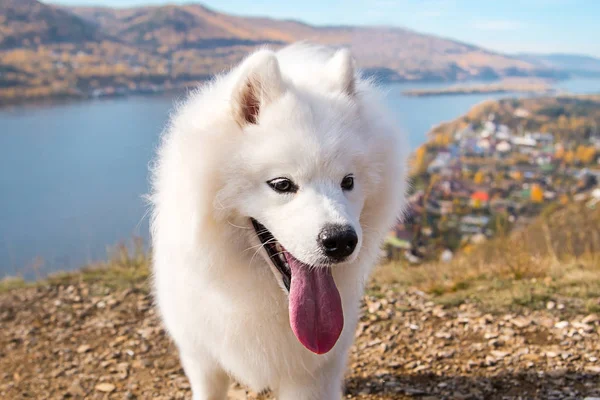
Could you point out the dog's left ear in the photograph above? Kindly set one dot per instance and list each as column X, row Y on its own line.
column 261, row 83
column 340, row 69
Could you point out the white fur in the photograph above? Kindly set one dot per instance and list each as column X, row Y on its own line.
column 219, row 297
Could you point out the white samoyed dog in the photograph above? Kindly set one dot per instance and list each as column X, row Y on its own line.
column 273, row 189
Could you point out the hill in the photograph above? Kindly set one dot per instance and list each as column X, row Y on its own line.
column 25, row 23
column 494, row 169
column 48, row 50
column 396, row 53
column 402, row 54
column 575, row 64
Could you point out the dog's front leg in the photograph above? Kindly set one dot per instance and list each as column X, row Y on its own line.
column 207, row 379
column 324, row 384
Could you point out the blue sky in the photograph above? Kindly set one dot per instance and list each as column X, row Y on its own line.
column 541, row 26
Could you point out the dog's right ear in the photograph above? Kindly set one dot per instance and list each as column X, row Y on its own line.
column 260, row 84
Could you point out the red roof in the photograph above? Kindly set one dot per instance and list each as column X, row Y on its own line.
column 482, row 196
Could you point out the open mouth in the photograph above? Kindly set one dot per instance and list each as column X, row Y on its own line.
column 275, row 251
column 314, row 302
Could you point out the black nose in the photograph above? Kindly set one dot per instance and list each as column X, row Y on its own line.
column 338, row 241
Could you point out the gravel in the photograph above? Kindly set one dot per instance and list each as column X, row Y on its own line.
column 91, row 341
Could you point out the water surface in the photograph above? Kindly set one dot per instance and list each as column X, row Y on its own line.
column 72, row 176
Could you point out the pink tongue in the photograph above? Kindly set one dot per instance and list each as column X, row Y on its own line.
column 316, row 314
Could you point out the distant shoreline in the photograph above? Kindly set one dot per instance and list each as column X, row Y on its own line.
column 153, row 90
column 510, row 86
column 68, row 98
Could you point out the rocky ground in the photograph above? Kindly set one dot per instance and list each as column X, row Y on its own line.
column 80, row 340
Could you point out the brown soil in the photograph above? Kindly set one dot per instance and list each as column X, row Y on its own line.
column 85, row 340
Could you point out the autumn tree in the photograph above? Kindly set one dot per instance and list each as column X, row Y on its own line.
column 537, row 193
column 419, row 162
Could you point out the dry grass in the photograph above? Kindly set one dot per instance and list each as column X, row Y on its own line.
column 125, row 267
column 556, row 258
column 499, row 286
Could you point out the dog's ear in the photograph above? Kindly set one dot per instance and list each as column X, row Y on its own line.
column 260, row 84
column 340, row 69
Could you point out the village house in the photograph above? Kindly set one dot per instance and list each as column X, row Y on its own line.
column 488, row 175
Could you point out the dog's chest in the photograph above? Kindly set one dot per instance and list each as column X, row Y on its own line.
column 259, row 348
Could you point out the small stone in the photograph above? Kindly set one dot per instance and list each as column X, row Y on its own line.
column 490, row 335
column 414, row 392
column 550, row 305
column 590, row 319
column 499, row 354
column 521, row 322
column 105, row 387
column 557, row 373
column 490, row 361
column 383, row 348
column 421, row 368
column 75, row 389
column 123, row 371
column 561, row 324
column 57, row 372
column 583, row 326
column 530, row 357
column 595, row 369
column 376, row 306
column 182, row 383
column 443, row 335
column 84, row 348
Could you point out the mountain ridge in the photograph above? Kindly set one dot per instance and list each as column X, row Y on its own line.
column 576, row 64
column 156, row 47
column 18, row 25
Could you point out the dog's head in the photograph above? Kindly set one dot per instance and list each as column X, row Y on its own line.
column 299, row 177
column 298, row 174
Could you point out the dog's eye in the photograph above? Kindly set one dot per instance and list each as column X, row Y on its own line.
column 283, row 185
column 347, row 182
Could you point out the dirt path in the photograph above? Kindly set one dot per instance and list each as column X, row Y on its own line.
column 89, row 341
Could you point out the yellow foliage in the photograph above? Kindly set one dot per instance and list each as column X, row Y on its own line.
column 560, row 152
column 419, row 162
column 563, row 123
column 517, row 175
column 537, row 193
column 479, row 177
column 585, row 154
column 442, row 139
column 569, row 157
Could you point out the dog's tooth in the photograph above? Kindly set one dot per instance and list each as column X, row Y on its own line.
column 278, row 247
